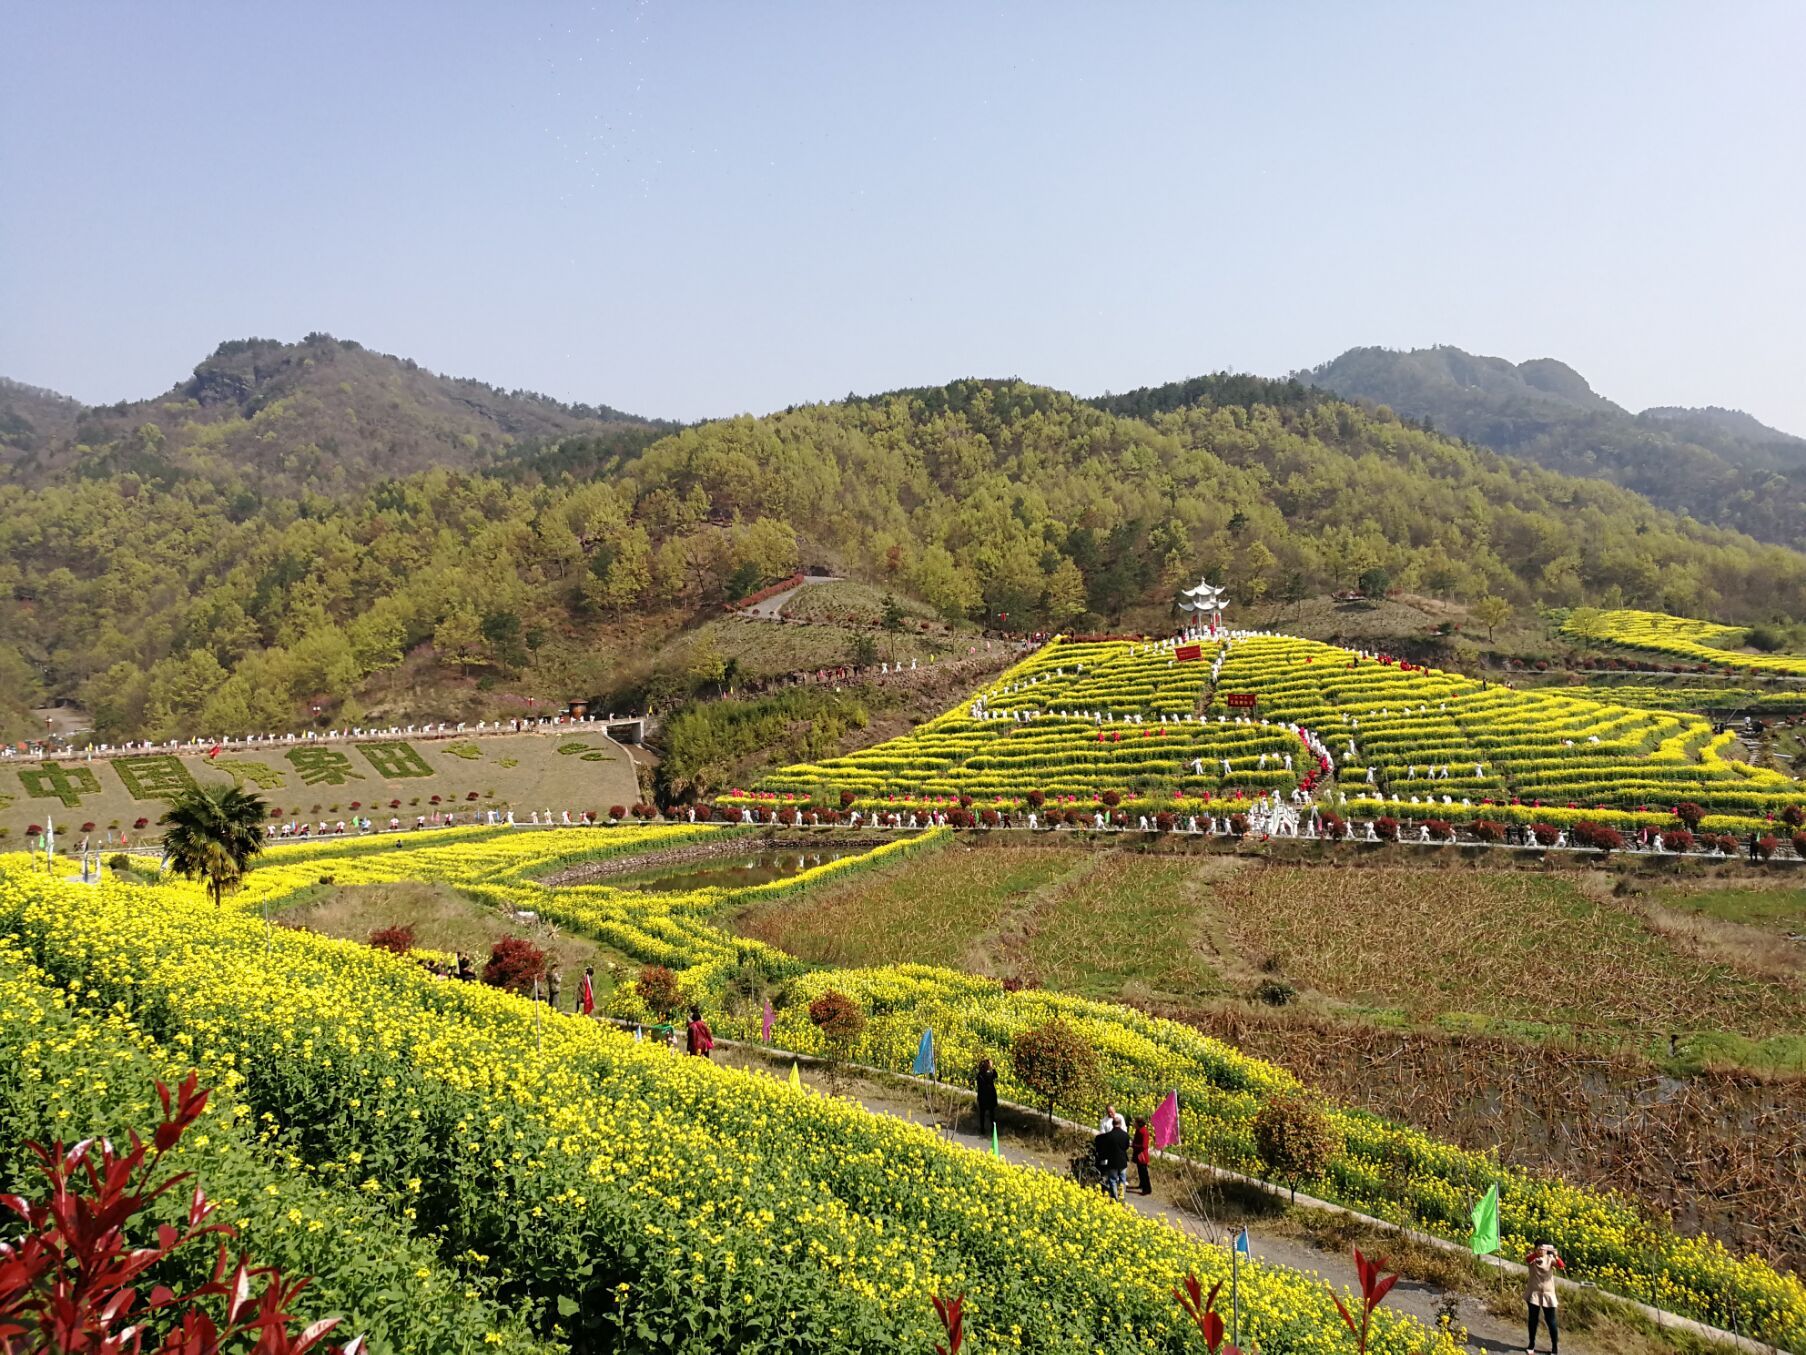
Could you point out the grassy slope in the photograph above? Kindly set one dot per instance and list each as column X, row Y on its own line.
column 539, row 779
column 443, row 919
column 1433, row 997
column 1508, row 951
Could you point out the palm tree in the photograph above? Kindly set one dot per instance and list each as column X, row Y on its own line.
column 212, row 833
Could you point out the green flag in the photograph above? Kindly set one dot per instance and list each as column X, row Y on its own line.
column 1486, row 1223
column 994, row 1152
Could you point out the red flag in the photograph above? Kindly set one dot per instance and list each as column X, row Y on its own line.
column 1165, row 1121
column 213, row 751
column 1189, row 652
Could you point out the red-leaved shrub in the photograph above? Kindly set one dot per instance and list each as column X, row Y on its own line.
column 658, row 989
column 79, row 1277
column 1598, row 836
column 514, row 963
column 399, row 940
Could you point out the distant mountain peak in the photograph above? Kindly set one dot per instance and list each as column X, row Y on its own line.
column 1716, row 465
column 1415, row 371
column 33, row 419
column 323, row 413
column 1554, row 377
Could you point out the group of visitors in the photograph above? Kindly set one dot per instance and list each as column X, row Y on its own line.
column 1115, row 1147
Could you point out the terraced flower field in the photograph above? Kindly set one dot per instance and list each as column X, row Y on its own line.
column 1071, row 720
column 613, row 1193
column 1432, row 734
column 1695, row 642
column 336, row 1043
column 1077, row 721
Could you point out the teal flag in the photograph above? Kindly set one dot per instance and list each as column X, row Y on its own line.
column 1486, row 1223
column 924, row 1064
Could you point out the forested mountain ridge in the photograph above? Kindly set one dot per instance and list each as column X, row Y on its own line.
column 322, row 416
column 32, row 420
column 179, row 605
column 1716, row 465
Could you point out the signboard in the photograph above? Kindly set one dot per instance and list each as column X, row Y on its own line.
column 1241, row 700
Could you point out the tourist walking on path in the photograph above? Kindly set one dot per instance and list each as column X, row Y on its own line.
column 1539, row 1293
column 1112, row 1148
column 699, row 1039
column 586, row 991
column 987, row 1097
column 553, row 981
column 1138, row 1147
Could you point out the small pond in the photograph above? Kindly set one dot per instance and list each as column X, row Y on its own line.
column 732, row 870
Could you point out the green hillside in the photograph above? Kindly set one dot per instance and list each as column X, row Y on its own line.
column 322, row 416
column 32, row 421
column 1716, row 465
column 173, row 602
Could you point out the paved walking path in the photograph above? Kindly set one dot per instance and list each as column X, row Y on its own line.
column 772, row 608
column 1487, row 1333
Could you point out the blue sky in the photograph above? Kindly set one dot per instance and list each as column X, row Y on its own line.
column 692, row 210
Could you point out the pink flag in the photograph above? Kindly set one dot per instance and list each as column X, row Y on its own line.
column 765, row 1025
column 1165, row 1122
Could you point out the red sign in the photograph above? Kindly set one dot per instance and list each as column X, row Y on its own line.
column 1184, row 652
column 1241, row 700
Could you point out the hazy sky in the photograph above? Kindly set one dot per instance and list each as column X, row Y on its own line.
column 690, row 210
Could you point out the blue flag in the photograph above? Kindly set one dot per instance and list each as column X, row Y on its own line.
column 924, row 1064
column 1241, row 1242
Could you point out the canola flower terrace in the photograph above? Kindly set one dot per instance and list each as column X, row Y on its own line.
column 614, row 1188
column 1385, row 1169
column 1702, row 644
column 1258, row 722
column 78, row 1067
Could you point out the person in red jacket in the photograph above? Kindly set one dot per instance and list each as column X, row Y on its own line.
column 1138, row 1150
column 700, row 1039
